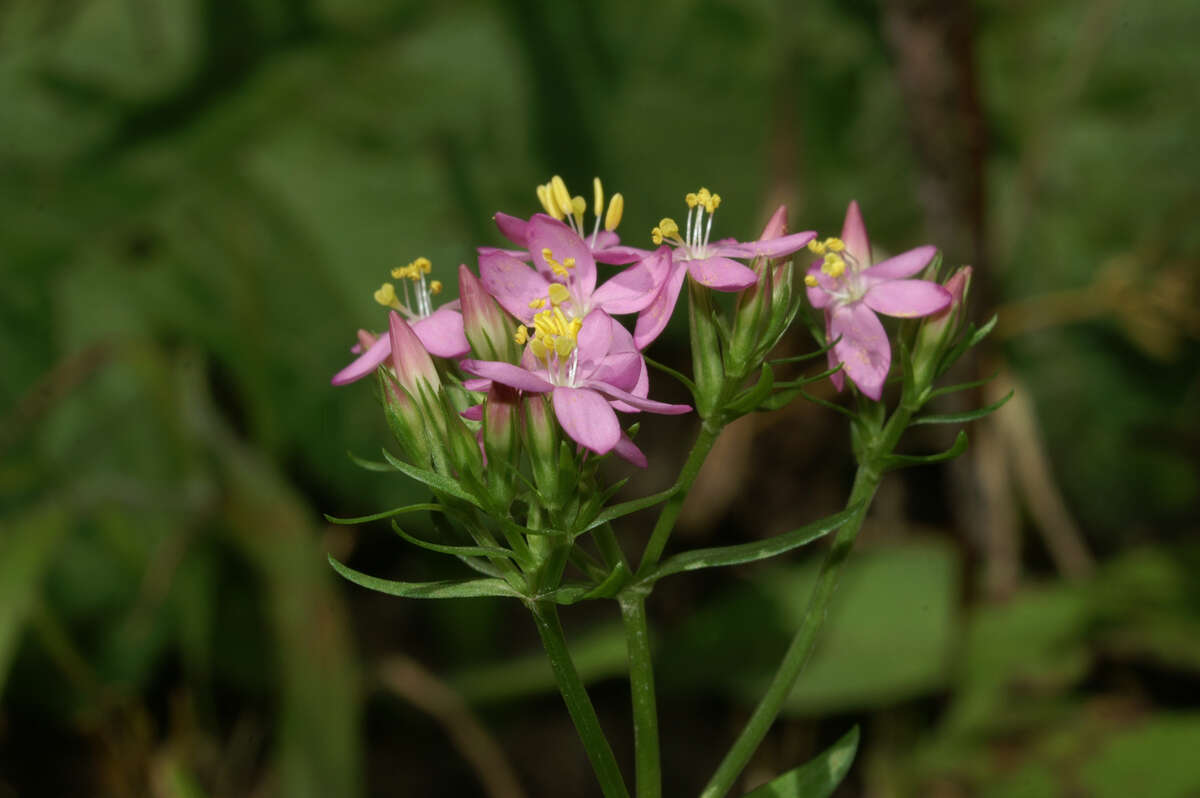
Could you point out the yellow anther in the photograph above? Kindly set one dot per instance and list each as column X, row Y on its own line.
column 562, row 197
column 578, row 206
column 816, row 247
column 435, row 287
column 713, row 203
column 669, row 228
column 539, row 349
column 691, row 199
column 423, row 264
column 386, row 296
column 576, row 326
column 704, row 197
column 834, row 266
column 656, row 236
column 597, row 197
column 522, row 335
column 563, row 345
column 569, row 263
column 616, row 207
column 558, row 293
column 537, row 304
column 835, row 244
column 543, row 195
column 547, row 254
column 811, row 281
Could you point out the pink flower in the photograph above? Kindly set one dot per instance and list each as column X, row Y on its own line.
column 851, row 291
column 589, row 367
column 710, row 264
column 439, row 331
column 564, row 274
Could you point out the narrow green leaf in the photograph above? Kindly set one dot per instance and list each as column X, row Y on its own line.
column 752, row 397
column 432, row 479
column 902, row 460
column 970, row 338
column 818, row 777
column 962, row 386
column 625, row 508
column 369, row 465
column 966, row 415
column 850, row 414
column 449, row 588
column 809, row 356
column 411, row 508
column 691, row 386
column 750, row 552
column 801, row 381
column 457, row 551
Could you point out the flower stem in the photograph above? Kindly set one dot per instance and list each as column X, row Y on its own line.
column 866, row 482
column 579, row 705
column 641, row 683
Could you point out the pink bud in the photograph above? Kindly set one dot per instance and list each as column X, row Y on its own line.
column 485, row 324
column 410, row 360
column 776, row 226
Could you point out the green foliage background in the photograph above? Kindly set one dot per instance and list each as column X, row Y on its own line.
column 197, row 198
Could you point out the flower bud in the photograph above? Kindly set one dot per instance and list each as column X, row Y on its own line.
column 488, row 328
column 414, row 368
column 755, row 315
column 541, row 441
column 501, row 440
column 938, row 331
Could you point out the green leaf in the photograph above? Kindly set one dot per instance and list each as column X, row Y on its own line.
column 818, row 777
column 811, row 355
column 625, row 508
column 369, row 465
column 962, row 386
column 750, row 552
column 970, row 338
column 902, row 460
column 434, row 480
column 965, row 416
column 752, row 397
column 362, row 519
column 457, row 551
column 448, row 588
column 691, row 386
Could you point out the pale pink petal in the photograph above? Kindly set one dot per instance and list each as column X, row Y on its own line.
column 514, row 229
column 473, row 413
column 546, row 232
column 441, row 333
column 838, row 378
column 854, row 233
column 513, row 283
column 506, row 374
column 819, row 295
column 366, row 363
column 640, row 386
column 478, row 384
column 907, row 299
column 619, row 254
column 721, row 274
column 603, row 240
column 776, row 226
column 594, row 339
column 586, row 418
column 863, row 349
column 771, row 248
column 519, row 254
column 628, row 450
column 906, row 264
column 633, row 289
column 639, row 402
column 653, row 320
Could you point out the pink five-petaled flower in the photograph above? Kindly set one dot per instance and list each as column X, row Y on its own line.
column 851, row 291
column 588, row 367
column 710, row 264
column 563, row 274
column 439, row 331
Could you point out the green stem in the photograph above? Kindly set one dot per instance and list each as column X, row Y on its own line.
column 866, row 482
column 579, row 705
column 641, row 683
column 709, row 430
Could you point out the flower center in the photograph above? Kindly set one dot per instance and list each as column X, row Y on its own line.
column 694, row 244
column 422, row 290
column 559, row 203
column 553, row 338
column 841, row 267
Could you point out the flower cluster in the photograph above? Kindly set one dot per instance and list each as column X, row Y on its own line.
column 539, row 320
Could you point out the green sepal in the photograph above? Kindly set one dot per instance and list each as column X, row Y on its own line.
column 816, row 778
column 965, row 416
column 438, row 482
column 363, row 519
column 749, row 399
column 456, row 551
column 893, row 461
column 750, row 552
column 632, row 506
column 591, row 508
column 445, row 589
column 972, row 337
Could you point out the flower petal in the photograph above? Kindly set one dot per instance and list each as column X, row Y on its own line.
column 838, row 378
column 854, row 233
column 863, row 349
column 721, row 274
column 907, row 298
column 820, row 294
column 514, row 229
column 473, row 413
column 441, row 333
column 770, row 248
column 546, row 232
column 618, row 254
column 594, row 340
column 653, row 320
column 906, row 264
column 633, row 289
column 628, row 450
column 639, row 402
column 366, row 363
column 586, row 418
column 507, row 374
column 513, row 283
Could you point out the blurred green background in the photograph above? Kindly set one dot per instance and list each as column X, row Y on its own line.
column 197, row 198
